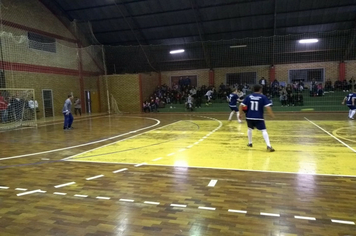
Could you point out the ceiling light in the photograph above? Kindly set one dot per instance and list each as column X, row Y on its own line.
column 177, row 51
column 238, row 46
column 308, row 41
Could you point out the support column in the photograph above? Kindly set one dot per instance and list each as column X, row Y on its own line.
column 81, row 79
column 272, row 73
column 211, row 77
column 342, row 71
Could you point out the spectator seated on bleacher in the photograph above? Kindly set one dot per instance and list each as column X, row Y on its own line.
column 298, row 99
column 338, row 85
column 283, row 97
column 320, row 91
column 328, row 86
column 146, row 106
column 345, row 86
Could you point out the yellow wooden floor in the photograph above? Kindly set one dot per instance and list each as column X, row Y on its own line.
column 301, row 146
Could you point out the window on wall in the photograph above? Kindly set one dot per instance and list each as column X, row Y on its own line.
column 307, row 75
column 184, row 80
column 40, row 42
column 241, row 78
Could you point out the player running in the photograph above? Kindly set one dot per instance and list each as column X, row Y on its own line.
column 350, row 102
column 256, row 102
column 233, row 99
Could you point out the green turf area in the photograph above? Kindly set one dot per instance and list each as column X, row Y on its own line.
column 328, row 102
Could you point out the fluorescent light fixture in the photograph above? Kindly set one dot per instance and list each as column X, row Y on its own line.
column 177, row 51
column 238, row 46
column 308, row 41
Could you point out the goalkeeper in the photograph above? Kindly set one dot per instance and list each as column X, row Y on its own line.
column 68, row 118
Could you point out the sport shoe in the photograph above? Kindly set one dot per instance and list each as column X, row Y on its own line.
column 249, row 145
column 270, row 149
column 240, row 121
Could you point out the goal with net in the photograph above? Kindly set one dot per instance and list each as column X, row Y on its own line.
column 18, row 107
column 114, row 107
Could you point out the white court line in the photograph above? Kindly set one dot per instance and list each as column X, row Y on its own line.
column 63, row 185
column 152, row 203
column 121, row 170
column 178, row 205
column 126, row 200
column 141, row 164
column 84, row 144
column 207, row 208
column 29, row 192
column 104, row 198
column 212, row 183
column 190, row 146
column 157, row 159
column 79, row 195
column 245, row 170
column 58, row 193
column 218, row 168
column 4, row 187
column 340, row 141
column 182, row 150
column 196, row 143
column 237, row 211
column 200, row 140
column 95, row 177
column 269, row 214
column 21, row 189
column 134, row 136
column 343, row 222
column 45, row 159
column 171, row 154
column 304, row 218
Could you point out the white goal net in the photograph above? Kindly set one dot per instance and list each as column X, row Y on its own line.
column 18, row 107
column 114, row 107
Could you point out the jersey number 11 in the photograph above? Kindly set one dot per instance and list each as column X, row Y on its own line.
column 254, row 106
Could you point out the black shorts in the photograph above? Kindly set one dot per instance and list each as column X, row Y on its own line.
column 259, row 124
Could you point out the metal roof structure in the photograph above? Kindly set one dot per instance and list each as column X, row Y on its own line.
column 271, row 24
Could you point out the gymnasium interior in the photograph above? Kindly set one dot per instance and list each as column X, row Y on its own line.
column 140, row 159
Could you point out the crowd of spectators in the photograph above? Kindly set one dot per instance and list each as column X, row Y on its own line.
column 289, row 94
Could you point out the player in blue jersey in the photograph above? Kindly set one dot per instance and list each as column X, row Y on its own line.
column 233, row 99
column 350, row 102
column 256, row 102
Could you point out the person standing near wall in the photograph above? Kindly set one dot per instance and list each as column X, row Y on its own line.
column 68, row 118
column 77, row 107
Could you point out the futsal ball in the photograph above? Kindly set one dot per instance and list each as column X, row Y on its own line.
column 244, row 108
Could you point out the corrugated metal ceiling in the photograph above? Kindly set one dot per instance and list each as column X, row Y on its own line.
column 172, row 21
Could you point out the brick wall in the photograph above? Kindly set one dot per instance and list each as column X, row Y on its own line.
column 126, row 91
column 32, row 13
column 149, row 84
column 31, row 68
column 61, row 87
column 350, row 69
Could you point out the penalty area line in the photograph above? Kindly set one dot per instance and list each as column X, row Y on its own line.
column 340, row 141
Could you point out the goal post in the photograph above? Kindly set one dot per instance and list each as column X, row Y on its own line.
column 114, row 106
column 18, row 107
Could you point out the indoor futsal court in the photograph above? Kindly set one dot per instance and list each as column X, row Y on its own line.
column 121, row 118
